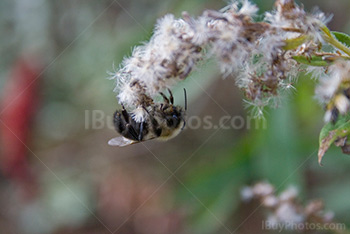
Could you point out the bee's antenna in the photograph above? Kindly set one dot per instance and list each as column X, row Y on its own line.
column 185, row 99
column 143, row 107
column 171, row 97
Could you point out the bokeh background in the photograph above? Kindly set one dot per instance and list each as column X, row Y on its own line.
column 58, row 175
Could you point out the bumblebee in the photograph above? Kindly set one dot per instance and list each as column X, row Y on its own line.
column 338, row 105
column 161, row 121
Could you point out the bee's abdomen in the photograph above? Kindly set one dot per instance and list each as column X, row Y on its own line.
column 119, row 122
column 128, row 127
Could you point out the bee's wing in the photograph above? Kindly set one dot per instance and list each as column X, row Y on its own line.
column 121, row 141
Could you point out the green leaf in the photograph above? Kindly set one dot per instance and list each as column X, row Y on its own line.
column 332, row 132
column 313, row 61
column 332, row 39
column 294, row 43
column 342, row 37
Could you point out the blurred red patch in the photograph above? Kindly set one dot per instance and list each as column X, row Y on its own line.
column 18, row 107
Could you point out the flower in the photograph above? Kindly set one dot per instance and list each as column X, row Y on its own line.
column 166, row 59
column 285, row 209
column 259, row 54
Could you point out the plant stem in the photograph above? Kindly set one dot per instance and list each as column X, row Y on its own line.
column 328, row 37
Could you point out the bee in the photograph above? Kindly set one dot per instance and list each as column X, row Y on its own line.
column 162, row 121
column 338, row 105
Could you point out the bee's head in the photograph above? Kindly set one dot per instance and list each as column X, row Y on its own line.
column 174, row 115
column 173, row 121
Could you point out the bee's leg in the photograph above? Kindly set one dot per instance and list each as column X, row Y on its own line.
column 125, row 115
column 163, row 107
column 154, row 123
column 124, row 125
column 183, row 126
column 164, row 97
column 132, row 133
column 171, row 96
column 141, row 132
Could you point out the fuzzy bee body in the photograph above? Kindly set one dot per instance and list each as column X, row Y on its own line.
column 161, row 121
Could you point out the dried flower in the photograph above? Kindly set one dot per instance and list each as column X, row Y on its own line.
column 167, row 58
column 285, row 209
column 260, row 54
column 265, row 57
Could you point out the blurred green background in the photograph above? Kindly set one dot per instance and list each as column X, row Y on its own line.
column 66, row 179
